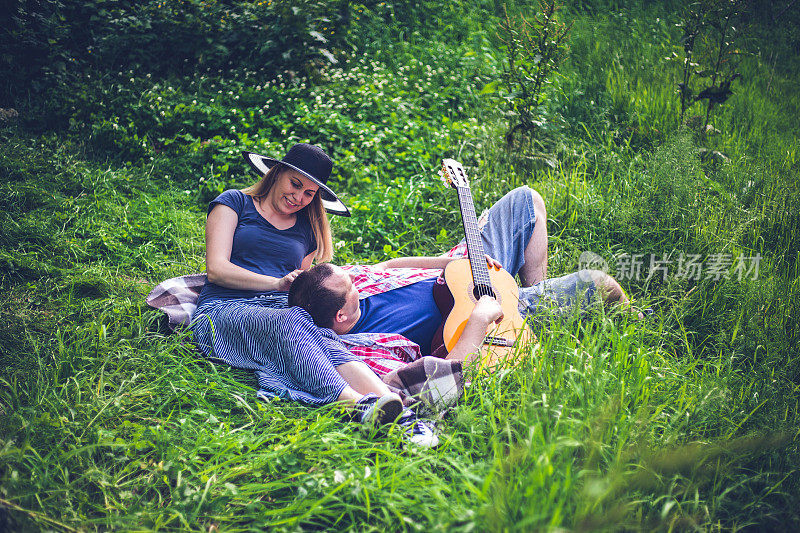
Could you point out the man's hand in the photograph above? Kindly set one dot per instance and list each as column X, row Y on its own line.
column 491, row 262
column 469, row 344
column 486, row 311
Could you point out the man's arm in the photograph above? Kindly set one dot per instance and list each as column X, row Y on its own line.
column 469, row 344
column 439, row 261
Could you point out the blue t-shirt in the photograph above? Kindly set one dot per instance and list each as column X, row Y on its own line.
column 259, row 246
column 409, row 311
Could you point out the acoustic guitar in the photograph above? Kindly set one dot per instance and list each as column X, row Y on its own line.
column 469, row 279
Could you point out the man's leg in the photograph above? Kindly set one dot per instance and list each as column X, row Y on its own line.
column 515, row 233
column 610, row 290
column 573, row 290
column 534, row 269
column 612, row 293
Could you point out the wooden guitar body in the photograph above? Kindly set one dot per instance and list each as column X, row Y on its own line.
column 501, row 338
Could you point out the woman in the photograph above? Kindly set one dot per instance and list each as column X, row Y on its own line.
column 257, row 241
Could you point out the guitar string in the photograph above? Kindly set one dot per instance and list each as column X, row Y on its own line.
column 480, row 271
column 474, row 245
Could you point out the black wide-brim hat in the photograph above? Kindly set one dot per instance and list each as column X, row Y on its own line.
column 311, row 162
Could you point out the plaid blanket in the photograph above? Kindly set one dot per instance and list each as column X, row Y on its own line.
column 437, row 383
column 177, row 298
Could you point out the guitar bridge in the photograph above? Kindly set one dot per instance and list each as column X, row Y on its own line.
column 498, row 341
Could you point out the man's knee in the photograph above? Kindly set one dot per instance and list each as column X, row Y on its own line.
column 538, row 204
column 519, row 195
column 608, row 286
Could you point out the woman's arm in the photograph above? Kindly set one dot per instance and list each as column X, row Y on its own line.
column 307, row 261
column 220, row 226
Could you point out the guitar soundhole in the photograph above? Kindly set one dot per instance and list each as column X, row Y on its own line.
column 483, row 290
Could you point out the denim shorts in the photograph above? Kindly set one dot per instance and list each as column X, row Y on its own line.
column 506, row 230
column 560, row 295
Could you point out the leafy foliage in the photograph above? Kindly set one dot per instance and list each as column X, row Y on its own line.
column 685, row 421
column 712, row 31
column 52, row 43
column 534, row 51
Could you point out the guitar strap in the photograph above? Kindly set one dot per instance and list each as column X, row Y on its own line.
column 444, row 301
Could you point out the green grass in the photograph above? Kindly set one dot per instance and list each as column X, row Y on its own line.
column 685, row 421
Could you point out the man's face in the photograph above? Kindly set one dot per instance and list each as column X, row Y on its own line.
column 349, row 314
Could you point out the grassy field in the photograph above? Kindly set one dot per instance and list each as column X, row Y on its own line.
column 132, row 115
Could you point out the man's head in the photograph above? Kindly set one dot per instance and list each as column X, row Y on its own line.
column 327, row 293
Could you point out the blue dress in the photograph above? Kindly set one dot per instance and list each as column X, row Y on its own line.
column 256, row 331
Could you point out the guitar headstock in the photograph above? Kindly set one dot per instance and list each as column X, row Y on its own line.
column 453, row 174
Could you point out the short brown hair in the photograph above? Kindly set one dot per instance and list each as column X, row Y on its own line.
column 309, row 292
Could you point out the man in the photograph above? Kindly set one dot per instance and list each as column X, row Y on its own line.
column 329, row 295
column 397, row 295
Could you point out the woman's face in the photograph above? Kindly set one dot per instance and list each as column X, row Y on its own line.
column 291, row 192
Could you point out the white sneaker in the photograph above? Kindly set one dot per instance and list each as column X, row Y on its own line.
column 376, row 411
column 417, row 431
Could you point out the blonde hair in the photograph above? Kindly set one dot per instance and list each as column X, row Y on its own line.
column 316, row 213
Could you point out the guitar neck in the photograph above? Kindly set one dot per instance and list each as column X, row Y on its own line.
column 477, row 257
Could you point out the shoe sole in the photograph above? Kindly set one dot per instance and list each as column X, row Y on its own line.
column 431, row 442
column 387, row 409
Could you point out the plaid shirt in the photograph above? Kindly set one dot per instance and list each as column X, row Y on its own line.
column 382, row 352
column 369, row 281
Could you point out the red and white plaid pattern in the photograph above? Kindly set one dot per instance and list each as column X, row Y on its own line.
column 459, row 250
column 383, row 352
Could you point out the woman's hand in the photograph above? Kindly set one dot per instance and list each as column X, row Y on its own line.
column 286, row 281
